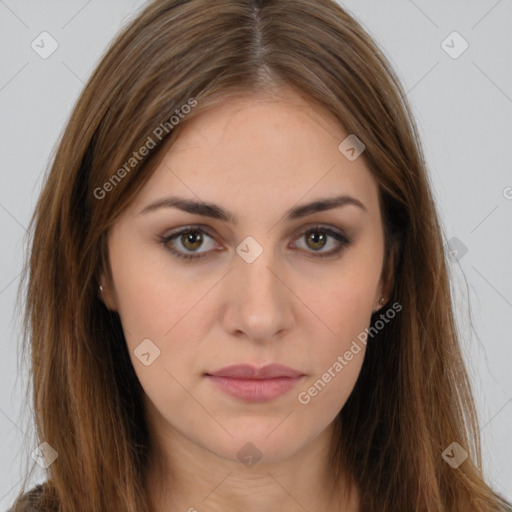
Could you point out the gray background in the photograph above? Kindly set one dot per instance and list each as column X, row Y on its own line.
column 464, row 110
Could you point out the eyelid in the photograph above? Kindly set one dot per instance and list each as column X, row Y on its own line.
column 328, row 229
column 332, row 232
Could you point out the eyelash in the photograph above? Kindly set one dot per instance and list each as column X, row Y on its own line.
column 197, row 229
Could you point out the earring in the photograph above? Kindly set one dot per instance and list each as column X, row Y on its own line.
column 101, row 288
column 381, row 301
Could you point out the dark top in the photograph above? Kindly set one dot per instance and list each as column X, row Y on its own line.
column 28, row 502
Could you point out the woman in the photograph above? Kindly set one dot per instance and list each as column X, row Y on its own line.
column 237, row 294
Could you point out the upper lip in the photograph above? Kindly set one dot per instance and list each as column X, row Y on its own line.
column 247, row 371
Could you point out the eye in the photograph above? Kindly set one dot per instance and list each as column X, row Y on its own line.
column 317, row 238
column 192, row 238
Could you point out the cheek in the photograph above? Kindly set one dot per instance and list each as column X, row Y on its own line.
column 337, row 356
column 344, row 304
column 143, row 294
column 151, row 309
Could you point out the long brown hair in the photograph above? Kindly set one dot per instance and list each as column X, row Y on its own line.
column 413, row 396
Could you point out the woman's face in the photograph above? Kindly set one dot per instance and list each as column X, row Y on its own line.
column 264, row 286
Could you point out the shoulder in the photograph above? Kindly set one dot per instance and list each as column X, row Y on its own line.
column 28, row 501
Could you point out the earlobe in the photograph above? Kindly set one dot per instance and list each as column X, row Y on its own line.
column 101, row 296
column 386, row 284
column 381, row 303
column 105, row 296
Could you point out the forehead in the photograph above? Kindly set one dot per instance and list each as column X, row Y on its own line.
column 260, row 152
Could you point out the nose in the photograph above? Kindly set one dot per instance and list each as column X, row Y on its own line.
column 259, row 302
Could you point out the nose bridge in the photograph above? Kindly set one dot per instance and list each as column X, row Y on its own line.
column 260, row 302
column 257, row 279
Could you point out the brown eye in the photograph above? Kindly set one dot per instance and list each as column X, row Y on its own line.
column 319, row 237
column 191, row 240
column 186, row 243
column 316, row 240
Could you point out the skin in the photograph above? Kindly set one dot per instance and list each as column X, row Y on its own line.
column 256, row 157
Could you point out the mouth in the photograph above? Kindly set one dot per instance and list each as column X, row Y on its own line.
column 252, row 384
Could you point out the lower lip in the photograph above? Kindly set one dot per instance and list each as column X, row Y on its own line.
column 252, row 390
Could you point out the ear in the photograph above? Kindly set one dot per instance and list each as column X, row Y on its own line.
column 387, row 278
column 106, row 293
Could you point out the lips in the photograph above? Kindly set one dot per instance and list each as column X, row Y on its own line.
column 246, row 371
column 253, row 384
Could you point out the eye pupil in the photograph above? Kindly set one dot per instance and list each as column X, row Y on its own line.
column 317, row 238
column 192, row 237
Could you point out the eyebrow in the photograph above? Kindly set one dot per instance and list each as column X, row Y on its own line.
column 216, row 212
